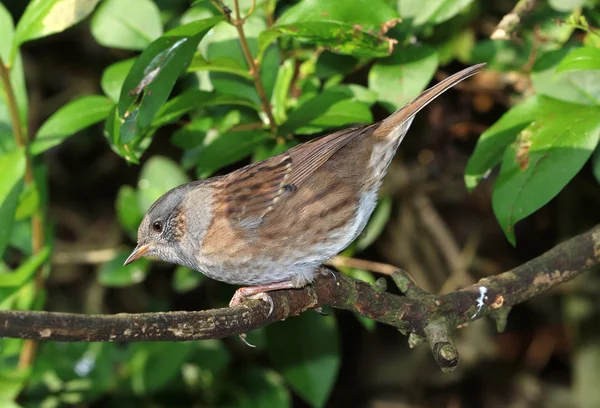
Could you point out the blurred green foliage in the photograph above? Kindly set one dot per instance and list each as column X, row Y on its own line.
column 191, row 75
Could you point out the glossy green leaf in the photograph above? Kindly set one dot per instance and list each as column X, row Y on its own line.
column 44, row 17
column 356, row 93
column 258, row 388
column 128, row 211
column 159, row 174
column 566, row 5
column 431, row 11
column 281, row 90
column 131, row 24
column 221, row 64
column 26, row 271
column 114, row 274
column 7, row 32
column 221, row 150
column 113, row 78
column 370, row 13
column 401, row 77
column 581, row 59
column 193, row 134
column 29, row 202
column 492, row 143
column 342, row 38
column 311, row 369
column 70, row 119
column 193, row 99
column 186, row 279
column 154, row 74
column 376, row 224
column 326, row 110
column 543, row 159
column 155, row 365
column 12, row 170
column 581, row 87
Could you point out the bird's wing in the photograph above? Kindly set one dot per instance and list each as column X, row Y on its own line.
column 250, row 193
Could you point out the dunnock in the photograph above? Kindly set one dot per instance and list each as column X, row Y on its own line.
column 271, row 224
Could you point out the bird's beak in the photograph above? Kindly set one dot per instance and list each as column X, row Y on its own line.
column 137, row 253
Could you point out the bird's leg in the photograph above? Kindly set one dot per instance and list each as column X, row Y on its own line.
column 259, row 292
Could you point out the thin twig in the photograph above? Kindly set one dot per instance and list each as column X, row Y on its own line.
column 431, row 317
column 37, row 223
column 505, row 30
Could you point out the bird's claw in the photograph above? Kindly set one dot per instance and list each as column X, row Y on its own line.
column 320, row 311
column 239, row 297
column 245, row 340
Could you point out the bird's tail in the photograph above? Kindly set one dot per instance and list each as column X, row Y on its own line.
column 398, row 122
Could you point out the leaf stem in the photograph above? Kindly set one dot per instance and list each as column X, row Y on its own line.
column 37, row 224
column 238, row 23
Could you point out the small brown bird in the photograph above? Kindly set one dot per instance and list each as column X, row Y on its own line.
column 271, row 224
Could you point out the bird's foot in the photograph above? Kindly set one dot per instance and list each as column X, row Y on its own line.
column 241, row 296
column 258, row 292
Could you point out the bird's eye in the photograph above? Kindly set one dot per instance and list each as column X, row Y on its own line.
column 157, row 226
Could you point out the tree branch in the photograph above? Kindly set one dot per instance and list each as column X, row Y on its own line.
column 426, row 316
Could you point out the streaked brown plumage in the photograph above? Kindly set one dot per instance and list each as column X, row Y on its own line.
column 271, row 224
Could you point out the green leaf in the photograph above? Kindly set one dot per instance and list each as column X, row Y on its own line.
column 29, row 202
column 7, row 33
column 11, row 384
column 12, row 170
column 346, row 27
column 376, row 224
column 113, row 78
column 272, row 148
column 581, row 59
column 25, row 272
column 492, row 143
column 221, row 150
column 326, row 110
column 581, row 87
column 281, row 90
column 131, row 24
column 159, row 174
column 186, row 279
column 401, row 77
column 155, row 365
column 193, row 99
column 128, row 211
column 44, row 17
column 356, row 93
column 220, row 64
column 431, row 11
column 258, row 388
column 342, row 38
column 154, row 74
column 312, row 367
column 70, row 119
column 566, row 5
column 545, row 157
column 114, row 274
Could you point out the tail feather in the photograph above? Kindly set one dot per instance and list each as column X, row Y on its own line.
column 407, row 112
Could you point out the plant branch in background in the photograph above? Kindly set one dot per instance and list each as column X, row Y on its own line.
column 425, row 316
column 37, row 223
column 505, row 30
column 238, row 23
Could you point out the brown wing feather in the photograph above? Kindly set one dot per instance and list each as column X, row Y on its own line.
column 250, row 193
